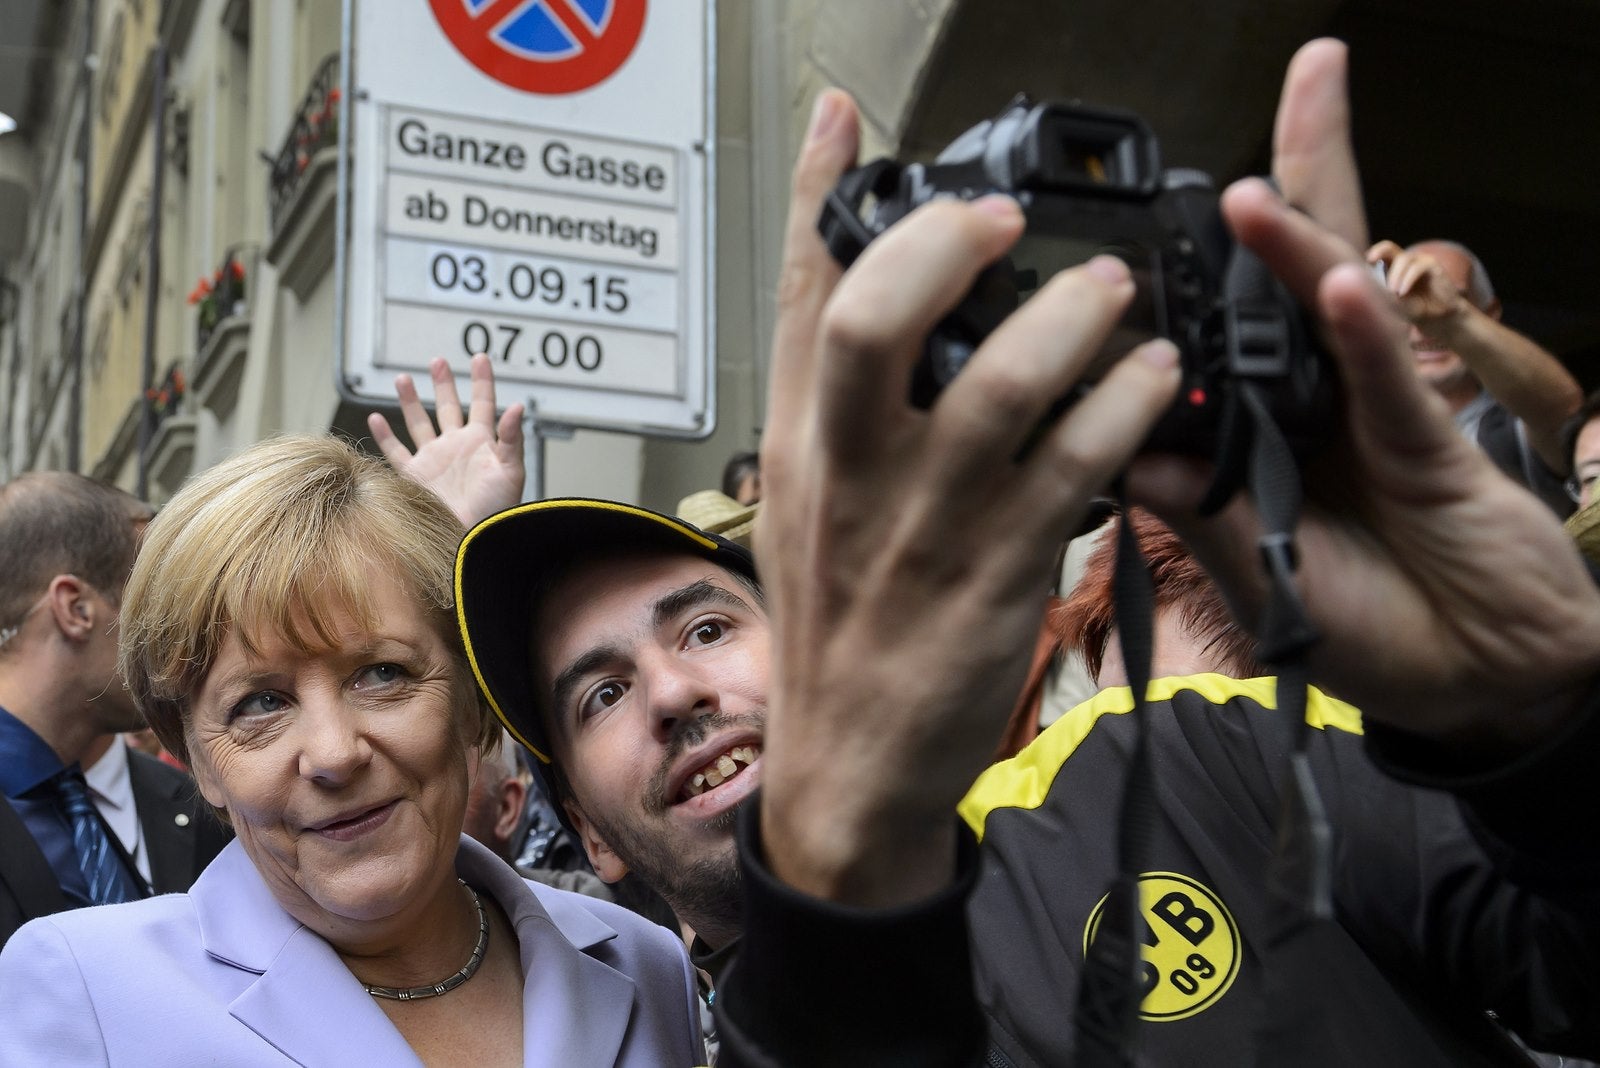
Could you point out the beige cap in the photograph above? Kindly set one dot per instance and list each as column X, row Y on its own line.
column 717, row 513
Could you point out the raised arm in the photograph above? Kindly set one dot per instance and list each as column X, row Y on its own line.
column 1519, row 373
column 904, row 551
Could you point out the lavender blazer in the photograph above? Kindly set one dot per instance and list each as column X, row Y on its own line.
column 222, row 975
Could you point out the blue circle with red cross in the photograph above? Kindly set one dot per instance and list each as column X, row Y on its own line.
column 543, row 46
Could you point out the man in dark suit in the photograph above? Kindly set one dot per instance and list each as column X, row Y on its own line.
column 154, row 810
column 67, row 544
column 28, row 888
column 180, row 833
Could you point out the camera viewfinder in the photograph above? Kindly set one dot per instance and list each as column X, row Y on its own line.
column 1090, row 149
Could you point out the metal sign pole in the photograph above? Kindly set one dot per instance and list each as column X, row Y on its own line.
column 533, row 456
column 534, row 436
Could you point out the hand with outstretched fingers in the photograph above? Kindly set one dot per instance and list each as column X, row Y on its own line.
column 474, row 464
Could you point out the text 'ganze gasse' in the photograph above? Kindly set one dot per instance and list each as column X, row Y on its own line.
column 554, row 156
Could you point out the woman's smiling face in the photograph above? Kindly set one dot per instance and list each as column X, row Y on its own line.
column 343, row 769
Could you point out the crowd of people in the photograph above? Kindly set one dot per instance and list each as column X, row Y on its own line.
column 774, row 747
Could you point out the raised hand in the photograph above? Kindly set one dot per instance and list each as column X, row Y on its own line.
column 1427, row 295
column 475, row 464
column 906, row 553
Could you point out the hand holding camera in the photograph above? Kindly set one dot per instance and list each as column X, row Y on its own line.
column 1089, row 182
column 905, row 549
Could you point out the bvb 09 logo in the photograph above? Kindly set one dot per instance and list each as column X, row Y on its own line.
column 1191, row 945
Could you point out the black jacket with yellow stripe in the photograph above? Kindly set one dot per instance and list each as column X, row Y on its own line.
column 1432, row 936
column 1463, row 892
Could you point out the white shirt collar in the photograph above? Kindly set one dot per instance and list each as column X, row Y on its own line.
column 112, row 792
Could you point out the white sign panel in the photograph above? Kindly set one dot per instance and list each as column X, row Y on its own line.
column 532, row 180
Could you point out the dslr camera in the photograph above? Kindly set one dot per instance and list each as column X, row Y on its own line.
column 1090, row 181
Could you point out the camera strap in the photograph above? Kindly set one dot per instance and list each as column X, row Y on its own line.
column 1110, row 988
column 1300, row 879
column 840, row 222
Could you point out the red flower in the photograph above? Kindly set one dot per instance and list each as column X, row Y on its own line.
column 177, row 382
column 333, row 96
column 236, row 269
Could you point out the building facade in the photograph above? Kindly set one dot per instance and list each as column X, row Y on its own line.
column 167, row 200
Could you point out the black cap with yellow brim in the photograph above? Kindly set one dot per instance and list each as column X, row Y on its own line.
column 509, row 561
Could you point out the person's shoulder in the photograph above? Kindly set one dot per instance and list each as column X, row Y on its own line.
column 586, row 883
column 591, row 925
column 653, row 958
column 149, row 913
column 109, row 933
column 1191, row 717
column 567, row 904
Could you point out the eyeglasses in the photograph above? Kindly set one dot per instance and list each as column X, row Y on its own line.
column 1577, row 485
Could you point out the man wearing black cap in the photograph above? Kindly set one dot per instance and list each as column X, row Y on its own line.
column 628, row 651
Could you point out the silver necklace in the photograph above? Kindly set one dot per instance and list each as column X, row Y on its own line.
column 444, row 986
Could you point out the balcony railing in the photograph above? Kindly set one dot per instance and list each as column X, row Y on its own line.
column 222, row 294
column 166, row 398
column 315, row 126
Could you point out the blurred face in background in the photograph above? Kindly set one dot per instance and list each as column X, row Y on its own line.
column 1586, row 463
column 1437, row 365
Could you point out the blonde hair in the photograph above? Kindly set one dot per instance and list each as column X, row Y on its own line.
column 279, row 541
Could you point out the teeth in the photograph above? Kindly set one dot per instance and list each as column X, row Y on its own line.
column 720, row 770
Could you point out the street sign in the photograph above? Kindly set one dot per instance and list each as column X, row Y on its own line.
column 532, row 179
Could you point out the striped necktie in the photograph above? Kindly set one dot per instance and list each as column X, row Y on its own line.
column 108, row 878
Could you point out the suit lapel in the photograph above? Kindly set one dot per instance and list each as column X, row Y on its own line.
column 24, row 871
column 308, row 1005
column 575, row 1009
column 305, row 1001
column 169, row 830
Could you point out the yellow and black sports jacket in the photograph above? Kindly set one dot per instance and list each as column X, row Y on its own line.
column 1467, row 903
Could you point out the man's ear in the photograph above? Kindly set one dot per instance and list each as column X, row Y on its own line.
column 508, row 811
column 1493, row 309
column 72, row 606
column 605, row 862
